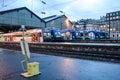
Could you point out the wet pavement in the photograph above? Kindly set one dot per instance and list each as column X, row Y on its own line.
column 57, row 68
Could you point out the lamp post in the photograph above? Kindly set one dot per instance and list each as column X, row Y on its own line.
column 23, row 30
column 62, row 12
column 43, row 2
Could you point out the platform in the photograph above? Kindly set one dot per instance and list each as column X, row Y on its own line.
column 57, row 68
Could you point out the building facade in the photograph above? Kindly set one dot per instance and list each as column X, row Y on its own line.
column 58, row 21
column 11, row 20
column 92, row 24
column 113, row 20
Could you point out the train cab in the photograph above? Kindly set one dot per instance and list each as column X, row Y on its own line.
column 97, row 35
column 79, row 34
column 66, row 35
column 52, row 34
column 47, row 37
column 93, row 35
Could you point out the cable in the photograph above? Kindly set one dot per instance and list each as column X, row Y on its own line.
column 7, row 3
column 60, row 4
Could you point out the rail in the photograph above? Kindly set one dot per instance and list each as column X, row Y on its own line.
column 98, row 51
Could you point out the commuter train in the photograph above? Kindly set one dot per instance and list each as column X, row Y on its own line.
column 52, row 34
column 34, row 35
column 97, row 35
column 70, row 34
column 77, row 34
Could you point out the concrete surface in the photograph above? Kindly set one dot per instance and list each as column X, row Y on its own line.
column 57, row 68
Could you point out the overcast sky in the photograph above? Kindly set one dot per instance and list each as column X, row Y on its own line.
column 73, row 9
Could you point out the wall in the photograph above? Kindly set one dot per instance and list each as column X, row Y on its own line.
column 21, row 17
column 61, row 23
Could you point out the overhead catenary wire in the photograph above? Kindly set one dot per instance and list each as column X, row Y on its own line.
column 5, row 3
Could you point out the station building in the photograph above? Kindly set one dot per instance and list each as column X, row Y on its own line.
column 58, row 21
column 11, row 20
column 113, row 20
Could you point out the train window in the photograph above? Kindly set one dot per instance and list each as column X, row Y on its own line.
column 81, row 34
column 117, row 35
column 57, row 33
column 40, row 34
column 113, row 35
column 28, row 35
column 44, row 34
column 48, row 34
column 77, row 34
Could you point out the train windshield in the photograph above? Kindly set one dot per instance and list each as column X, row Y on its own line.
column 47, row 34
column 57, row 33
column 77, row 34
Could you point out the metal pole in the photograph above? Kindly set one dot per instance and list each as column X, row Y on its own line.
column 84, row 27
column 23, row 29
column 32, row 5
column 109, row 26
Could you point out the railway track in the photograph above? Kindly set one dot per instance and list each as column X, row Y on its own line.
column 81, row 55
column 95, row 41
column 103, row 52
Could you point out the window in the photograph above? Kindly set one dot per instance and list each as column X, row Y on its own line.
column 117, row 17
column 111, row 14
column 77, row 34
column 117, row 35
column 107, row 15
column 111, row 18
column 113, row 35
column 117, row 13
column 114, row 17
column 31, row 15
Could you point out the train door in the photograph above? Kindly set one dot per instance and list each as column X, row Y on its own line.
column 40, row 37
column 37, row 37
column 9, row 38
column 33, row 37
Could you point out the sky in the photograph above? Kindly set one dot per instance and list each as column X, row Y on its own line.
column 73, row 9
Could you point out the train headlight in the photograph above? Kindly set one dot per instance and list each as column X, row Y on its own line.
column 91, row 35
column 62, row 34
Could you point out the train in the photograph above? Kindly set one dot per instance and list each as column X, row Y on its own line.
column 71, row 34
column 34, row 35
column 53, row 35
column 95, row 34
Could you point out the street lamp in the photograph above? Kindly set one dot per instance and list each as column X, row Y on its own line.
column 23, row 30
column 62, row 12
column 43, row 2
